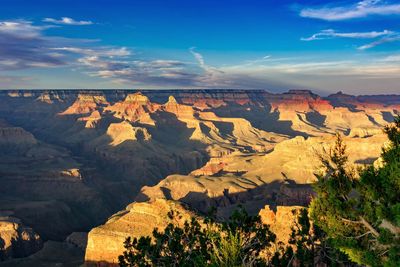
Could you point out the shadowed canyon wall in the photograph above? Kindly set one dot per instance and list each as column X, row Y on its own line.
column 69, row 159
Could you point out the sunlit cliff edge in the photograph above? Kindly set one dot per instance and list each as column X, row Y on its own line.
column 75, row 157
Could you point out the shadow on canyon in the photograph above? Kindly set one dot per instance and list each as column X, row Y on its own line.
column 278, row 193
column 261, row 117
column 109, row 176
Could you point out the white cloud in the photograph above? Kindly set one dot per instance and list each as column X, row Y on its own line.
column 328, row 34
column 23, row 45
column 386, row 36
column 26, row 45
column 199, row 58
column 122, row 69
column 100, row 51
column 20, row 28
column 209, row 70
column 385, row 40
column 359, row 10
column 391, row 58
column 68, row 21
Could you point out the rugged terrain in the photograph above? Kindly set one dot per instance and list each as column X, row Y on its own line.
column 70, row 159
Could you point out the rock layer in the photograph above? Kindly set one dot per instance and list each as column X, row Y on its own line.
column 17, row 240
column 78, row 156
column 105, row 243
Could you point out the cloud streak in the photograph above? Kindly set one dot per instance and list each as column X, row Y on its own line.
column 100, row 51
column 144, row 72
column 385, row 36
column 68, row 21
column 23, row 45
column 361, row 9
column 330, row 34
column 385, row 40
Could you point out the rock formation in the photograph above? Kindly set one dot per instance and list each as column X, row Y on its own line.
column 281, row 220
column 121, row 132
column 14, row 136
column 78, row 156
column 105, row 243
column 16, row 239
column 85, row 103
column 135, row 108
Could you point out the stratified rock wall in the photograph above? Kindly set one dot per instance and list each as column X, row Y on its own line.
column 74, row 157
column 105, row 243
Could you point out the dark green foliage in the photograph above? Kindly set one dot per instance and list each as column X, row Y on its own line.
column 236, row 242
column 362, row 215
column 173, row 247
column 355, row 215
column 310, row 246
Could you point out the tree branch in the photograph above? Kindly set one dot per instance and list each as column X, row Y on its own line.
column 369, row 226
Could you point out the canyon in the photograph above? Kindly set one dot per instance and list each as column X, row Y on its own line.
column 80, row 170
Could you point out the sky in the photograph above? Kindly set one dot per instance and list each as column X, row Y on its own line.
column 277, row 45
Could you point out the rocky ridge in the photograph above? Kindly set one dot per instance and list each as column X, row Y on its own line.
column 84, row 155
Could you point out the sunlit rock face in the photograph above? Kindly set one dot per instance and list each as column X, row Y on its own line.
column 281, row 220
column 17, row 240
column 85, row 103
column 74, row 158
column 124, row 131
column 134, row 108
column 105, row 242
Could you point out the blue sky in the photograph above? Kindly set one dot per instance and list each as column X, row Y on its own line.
column 326, row 46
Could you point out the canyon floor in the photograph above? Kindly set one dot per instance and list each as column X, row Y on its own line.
column 80, row 170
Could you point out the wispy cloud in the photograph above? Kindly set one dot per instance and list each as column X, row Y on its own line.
column 385, row 36
column 25, row 45
column 118, row 68
column 11, row 81
column 329, row 34
column 391, row 58
column 22, row 45
column 385, row 40
column 68, row 21
column 20, row 29
column 199, row 58
column 99, row 51
column 361, row 9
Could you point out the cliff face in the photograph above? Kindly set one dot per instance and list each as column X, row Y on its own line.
column 16, row 239
column 105, row 243
column 16, row 136
column 77, row 157
column 84, row 104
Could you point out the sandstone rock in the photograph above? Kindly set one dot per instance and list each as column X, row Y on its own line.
column 49, row 97
column 91, row 120
column 135, row 108
column 85, row 104
column 124, row 131
column 72, row 173
column 364, row 132
column 212, row 167
column 202, row 147
column 16, row 239
column 105, row 243
column 281, row 219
